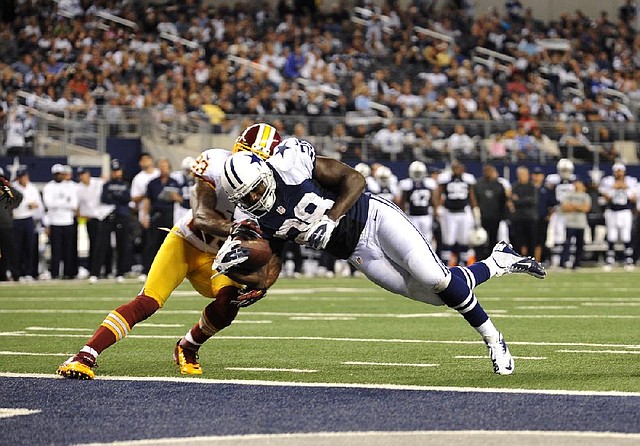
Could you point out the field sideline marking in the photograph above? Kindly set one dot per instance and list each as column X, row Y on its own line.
column 336, row 436
column 8, row 412
column 194, row 380
column 321, row 338
column 495, row 314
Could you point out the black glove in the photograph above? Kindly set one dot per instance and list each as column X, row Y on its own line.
column 246, row 229
column 249, row 297
column 7, row 192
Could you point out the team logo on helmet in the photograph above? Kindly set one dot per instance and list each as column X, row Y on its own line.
column 242, row 174
column 261, row 139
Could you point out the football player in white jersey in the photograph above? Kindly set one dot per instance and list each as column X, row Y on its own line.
column 386, row 184
column 416, row 198
column 454, row 203
column 619, row 190
column 188, row 252
column 319, row 202
column 561, row 183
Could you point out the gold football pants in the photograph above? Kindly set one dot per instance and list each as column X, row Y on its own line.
column 176, row 260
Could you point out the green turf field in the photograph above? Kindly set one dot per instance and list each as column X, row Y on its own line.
column 572, row 331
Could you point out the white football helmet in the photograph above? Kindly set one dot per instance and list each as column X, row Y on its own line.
column 478, row 237
column 243, row 172
column 383, row 176
column 187, row 163
column 363, row 169
column 417, row 170
column 565, row 168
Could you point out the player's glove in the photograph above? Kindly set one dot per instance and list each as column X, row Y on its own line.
column 319, row 233
column 246, row 229
column 7, row 193
column 229, row 255
column 249, row 297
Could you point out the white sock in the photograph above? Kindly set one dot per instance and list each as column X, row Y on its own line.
column 189, row 338
column 488, row 331
column 494, row 269
column 89, row 350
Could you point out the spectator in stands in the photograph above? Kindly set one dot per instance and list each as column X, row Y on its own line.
column 527, row 148
column 574, row 143
column 389, row 142
column 460, row 145
column 19, row 128
column 61, row 201
column 25, row 216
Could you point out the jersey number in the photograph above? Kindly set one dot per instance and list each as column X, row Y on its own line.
column 309, row 209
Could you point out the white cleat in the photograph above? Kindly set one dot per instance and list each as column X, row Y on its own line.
column 509, row 261
column 607, row 268
column 629, row 267
column 499, row 354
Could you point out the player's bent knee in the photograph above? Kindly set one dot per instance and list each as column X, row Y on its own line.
column 442, row 284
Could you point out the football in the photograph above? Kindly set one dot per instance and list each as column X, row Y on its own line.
column 259, row 254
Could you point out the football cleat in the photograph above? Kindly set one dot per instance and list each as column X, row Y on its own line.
column 500, row 356
column 78, row 367
column 187, row 360
column 509, row 261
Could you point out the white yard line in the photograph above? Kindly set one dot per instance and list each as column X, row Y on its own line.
column 390, row 364
column 267, row 369
column 196, row 380
column 611, row 352
column 548, row 307
column 8, row 353
column 530, row 358
column 496, row 313
column 57, row 329
column 329, row 339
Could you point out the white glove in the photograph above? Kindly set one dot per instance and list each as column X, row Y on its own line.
column 319, row 233
column 477, row 217
column 229, row 255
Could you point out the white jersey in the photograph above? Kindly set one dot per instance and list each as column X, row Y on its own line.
column 208, row 167
column 620, row 199
column 31, row 205
column 61, row 201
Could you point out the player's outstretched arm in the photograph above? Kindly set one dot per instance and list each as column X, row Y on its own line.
column 337, row 176
column 205, row 217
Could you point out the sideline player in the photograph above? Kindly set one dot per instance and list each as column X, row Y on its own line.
column 416, row 198
column 319, row 202
column 455, row 199
column 619, row 190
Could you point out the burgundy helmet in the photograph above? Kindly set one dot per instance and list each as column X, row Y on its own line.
column 261, row 139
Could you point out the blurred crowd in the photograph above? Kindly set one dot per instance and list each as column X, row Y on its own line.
column 180, row 61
